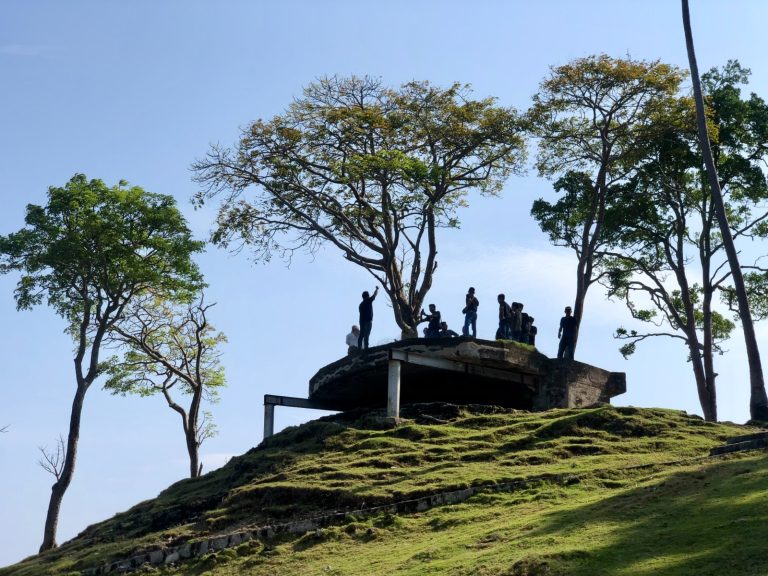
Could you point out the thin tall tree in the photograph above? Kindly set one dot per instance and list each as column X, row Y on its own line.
column 758, row 402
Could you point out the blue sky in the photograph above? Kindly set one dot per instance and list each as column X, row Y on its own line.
column 138, row 90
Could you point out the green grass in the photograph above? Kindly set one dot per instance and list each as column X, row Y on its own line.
column 601, row 491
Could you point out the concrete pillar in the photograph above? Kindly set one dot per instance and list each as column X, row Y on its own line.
column 269, row 420
column 393, row 389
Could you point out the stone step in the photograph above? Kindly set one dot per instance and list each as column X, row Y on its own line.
column 755, row 444
column 747, row 437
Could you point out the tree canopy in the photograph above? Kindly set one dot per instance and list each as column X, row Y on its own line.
column 758, row 402
column 370, row 170
column 171, row 347
column 593, row 118
column 87, row 253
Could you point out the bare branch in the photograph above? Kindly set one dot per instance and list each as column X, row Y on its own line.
column 53, row 461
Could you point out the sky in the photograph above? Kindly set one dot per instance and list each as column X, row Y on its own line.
column 138, row 90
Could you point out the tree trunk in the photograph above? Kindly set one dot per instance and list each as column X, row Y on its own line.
column 589, row 240
column 60, row 487
column 404, row 315
column 191, row 433
column 578, row 303
column 758, row 403
column 708, row 360
column 189, row 424
column 702, row 369
column 194, row 458
column 706, row 395
column 707, row 399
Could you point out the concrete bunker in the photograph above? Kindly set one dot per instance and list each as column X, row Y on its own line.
column 455, row 370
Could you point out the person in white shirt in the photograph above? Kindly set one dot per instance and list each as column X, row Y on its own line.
column 352, row 339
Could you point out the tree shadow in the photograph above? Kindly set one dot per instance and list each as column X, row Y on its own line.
column 708, row 521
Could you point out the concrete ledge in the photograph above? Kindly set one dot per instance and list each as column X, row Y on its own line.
column 464, row 371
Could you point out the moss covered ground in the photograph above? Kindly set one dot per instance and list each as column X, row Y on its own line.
column 597, row 491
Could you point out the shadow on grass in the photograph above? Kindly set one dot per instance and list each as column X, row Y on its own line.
column 709, row 522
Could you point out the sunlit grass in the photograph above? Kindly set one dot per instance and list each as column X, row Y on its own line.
column 596, row 491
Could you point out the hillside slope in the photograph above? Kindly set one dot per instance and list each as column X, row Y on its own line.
column 597, row 491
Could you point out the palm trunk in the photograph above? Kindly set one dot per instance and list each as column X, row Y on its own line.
column 758, row 403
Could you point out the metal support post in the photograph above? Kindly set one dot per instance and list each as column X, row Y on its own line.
column 269, row 420
column 393, row 389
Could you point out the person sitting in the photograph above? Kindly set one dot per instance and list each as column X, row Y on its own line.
column 445, row 333
column 352, row 339
column 433, row 327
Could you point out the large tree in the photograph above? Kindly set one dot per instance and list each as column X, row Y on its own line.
column 370, row 170
column 170, row 346
column 666, row 254
column 87, row 253
column 593, row 118
column 758, row 402
column 662, row 253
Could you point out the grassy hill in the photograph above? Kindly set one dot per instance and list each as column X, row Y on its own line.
column 597, row 491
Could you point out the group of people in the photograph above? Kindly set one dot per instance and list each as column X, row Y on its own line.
column 514, row 324
column 436, row 328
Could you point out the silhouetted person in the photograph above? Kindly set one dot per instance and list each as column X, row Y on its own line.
column 433, row 328
column 470, row 313
column 366, row 318
column 445, row 333
column 353, row 339
column 532, row 331
column 524, row 318
column 566, row 333
column 516, row 321
column 505, row 314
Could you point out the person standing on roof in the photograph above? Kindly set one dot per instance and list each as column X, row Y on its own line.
column 505, row 315
column 366, row 318
column 567, row 334
column 470, row 313
column 532, row 331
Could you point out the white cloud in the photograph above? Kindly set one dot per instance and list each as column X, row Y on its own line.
column 543, row 279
